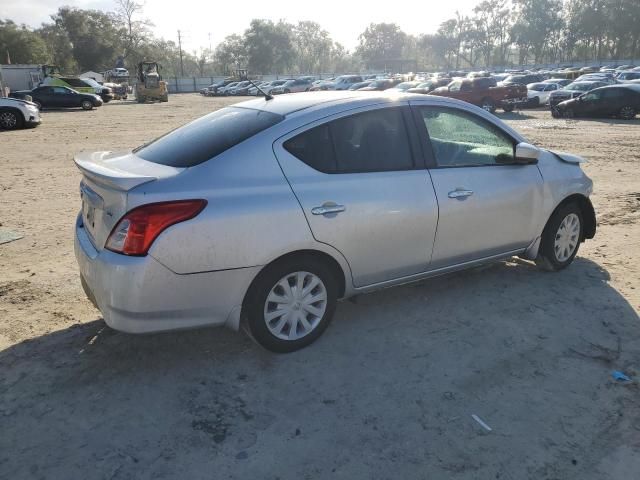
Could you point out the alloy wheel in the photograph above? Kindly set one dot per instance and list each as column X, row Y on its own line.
column 627, row 113
column 295, row 305
column 8, row 120
column 567, row 237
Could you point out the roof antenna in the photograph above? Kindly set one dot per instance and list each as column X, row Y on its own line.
column 266, row 95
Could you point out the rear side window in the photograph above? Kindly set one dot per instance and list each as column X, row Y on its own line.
column 374, row 141
column 207, row 137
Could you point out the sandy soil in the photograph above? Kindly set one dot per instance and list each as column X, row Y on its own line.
column 387, row 392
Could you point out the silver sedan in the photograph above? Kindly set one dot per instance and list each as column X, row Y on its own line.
column 265, row 213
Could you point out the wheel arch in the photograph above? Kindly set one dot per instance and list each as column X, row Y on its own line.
column 15, row 110
column 587, row 210
column 336, row 268
column 238, row 320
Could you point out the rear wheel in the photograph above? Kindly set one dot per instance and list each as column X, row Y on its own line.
column 508, row 108
column 561, row 238
column 164, row 98
column 488, row 104
column 10, row 119
column 627, row 113
column 87, row 105
column 291, row 303
column 535, row 102
column 555, row 112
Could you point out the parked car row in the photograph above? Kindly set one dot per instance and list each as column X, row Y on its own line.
column 489, row 90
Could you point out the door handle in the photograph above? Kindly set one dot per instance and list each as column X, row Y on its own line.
column 328, row 208
column 459, row 193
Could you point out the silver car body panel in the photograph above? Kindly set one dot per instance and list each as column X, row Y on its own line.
column 403, row 213
column 259, row 201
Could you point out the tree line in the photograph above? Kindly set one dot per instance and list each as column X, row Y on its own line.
column 495, row 33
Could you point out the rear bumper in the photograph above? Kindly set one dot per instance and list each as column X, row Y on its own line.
column 140, row 295
column 514, row 101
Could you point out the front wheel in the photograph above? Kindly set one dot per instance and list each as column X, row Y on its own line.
column 508, row 108
column 86, row 105
column 290, row 304
column 488, row 104
column 561, row 238
column 627, row 113
column 10, row 119
column 555, row 112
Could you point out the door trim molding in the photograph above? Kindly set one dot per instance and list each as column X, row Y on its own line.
column 438, row 271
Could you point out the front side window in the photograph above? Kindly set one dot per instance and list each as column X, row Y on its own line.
column 61, row 91
column 592, row 96
column 461, row 139
column 374, row 141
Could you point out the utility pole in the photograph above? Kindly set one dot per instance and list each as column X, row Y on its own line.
column 180, row 48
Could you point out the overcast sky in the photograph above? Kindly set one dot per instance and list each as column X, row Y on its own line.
column 344, row 19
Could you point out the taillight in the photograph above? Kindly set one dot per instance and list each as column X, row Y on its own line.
column 137, row 230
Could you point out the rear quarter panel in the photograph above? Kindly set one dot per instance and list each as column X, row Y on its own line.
column 252, row 215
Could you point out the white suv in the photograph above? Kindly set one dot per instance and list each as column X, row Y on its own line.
column 15, row 113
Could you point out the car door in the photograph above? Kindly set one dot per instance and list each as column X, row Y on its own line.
column 614, row 99
column 44, row 95
column 63, row 97
column 487, row 202
column 364, row 190
column 591, row 104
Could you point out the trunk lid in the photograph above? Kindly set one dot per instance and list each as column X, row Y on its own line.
column 107, row 177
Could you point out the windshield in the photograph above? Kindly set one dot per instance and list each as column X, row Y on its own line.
column 92, row 82
column 581, row 87
column 538, row 87
column 206, row 137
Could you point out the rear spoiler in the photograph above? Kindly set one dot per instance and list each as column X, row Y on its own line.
column 121, row 170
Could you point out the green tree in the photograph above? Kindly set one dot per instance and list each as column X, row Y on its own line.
column 537, row 28
column 380, row 42
column 230, row 54
column 269, row 46
column 21, row 44
column 96, row 37
column 313, row 47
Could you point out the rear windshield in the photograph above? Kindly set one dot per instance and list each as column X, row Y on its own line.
column 206, row 137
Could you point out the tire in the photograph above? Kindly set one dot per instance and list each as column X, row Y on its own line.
column 86, row 105
column 268, row 285
column 568, row 113
column 555, row 112
column 535, row 102
column 10, row 119
column 508, row 108
column 561, row 238
column 488, row 104
column 164, row 98
column 287, row 90
column 627, row 113
column 141, row 99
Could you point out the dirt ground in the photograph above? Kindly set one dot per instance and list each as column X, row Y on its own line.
column 386, row 393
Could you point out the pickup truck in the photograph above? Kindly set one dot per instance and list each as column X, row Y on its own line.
column 484, row 92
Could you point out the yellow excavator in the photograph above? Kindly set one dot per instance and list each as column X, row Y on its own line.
column 149, row 85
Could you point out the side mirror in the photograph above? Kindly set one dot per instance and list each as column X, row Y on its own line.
column 527, row 154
